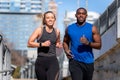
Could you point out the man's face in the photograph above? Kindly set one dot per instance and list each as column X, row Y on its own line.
column 81, row 15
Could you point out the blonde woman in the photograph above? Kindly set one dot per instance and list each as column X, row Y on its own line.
column 48, row 38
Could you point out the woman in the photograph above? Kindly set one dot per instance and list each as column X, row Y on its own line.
column 48, row 38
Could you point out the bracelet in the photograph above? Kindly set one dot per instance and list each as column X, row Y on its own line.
column 89, row 43
column 40, row 44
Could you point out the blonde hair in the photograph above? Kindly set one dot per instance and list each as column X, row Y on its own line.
column 45, row 16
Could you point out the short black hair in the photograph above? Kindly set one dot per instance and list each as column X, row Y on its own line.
column 81, row 8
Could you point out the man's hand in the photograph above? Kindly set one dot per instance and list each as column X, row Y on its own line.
column 84, row 40
column 68, row 54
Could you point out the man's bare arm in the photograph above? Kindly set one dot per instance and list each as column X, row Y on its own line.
column 66, row 42
column 97, row 39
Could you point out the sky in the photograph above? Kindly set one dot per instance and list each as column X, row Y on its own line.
column 98, row 6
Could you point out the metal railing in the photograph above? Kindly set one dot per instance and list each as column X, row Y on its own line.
column 5, row 61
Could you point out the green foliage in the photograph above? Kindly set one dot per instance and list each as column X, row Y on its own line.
column 16, row 73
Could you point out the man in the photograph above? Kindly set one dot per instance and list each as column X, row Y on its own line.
column 79, row 39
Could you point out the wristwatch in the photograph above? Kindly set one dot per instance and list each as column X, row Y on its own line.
column 40, row 44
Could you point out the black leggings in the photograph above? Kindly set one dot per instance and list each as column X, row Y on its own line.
column 47, row 68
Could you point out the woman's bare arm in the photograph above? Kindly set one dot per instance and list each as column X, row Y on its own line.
column 31, row 42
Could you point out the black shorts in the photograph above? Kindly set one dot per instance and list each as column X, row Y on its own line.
column 80, row 71
column 46, row 68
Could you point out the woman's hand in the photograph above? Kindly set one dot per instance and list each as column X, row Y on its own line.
column 46, row 43
column 59, row 45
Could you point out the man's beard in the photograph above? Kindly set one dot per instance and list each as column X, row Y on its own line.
column 80, row 22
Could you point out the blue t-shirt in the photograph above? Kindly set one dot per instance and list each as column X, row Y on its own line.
column 81, row 52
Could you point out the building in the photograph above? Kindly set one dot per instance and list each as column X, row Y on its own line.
column 19, row 18
column 25, row 6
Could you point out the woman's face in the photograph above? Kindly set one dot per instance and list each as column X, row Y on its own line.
column 49, row 19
